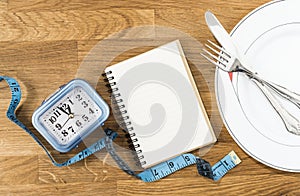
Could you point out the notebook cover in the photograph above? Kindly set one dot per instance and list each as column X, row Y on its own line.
column 165, row 110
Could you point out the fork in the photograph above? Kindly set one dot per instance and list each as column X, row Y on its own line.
column 229, row 63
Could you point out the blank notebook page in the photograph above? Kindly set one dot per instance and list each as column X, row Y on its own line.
column 163, row 104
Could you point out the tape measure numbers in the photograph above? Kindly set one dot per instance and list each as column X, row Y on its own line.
column 149, row 175
column 166, row 168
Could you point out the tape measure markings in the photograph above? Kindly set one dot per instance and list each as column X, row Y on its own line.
column 225, row 164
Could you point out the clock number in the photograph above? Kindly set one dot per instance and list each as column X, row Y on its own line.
column 57, row 113
column 78, row 97
column 91, row 111
column 52, row 119
column 65, row 133
column 84, row 104
column 58, row 126
column 70, row 101
column 71, row 129
column 85, row 118
column 66, row 108
column 78, row 123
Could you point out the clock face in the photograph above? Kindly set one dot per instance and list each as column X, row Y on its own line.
column 70, row 116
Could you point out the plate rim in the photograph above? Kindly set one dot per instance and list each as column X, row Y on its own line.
column 218, row 98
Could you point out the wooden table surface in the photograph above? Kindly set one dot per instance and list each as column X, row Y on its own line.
column 42, row 45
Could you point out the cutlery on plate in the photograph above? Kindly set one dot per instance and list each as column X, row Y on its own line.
column 227, row 62
column 226, row 41
column 291, row 123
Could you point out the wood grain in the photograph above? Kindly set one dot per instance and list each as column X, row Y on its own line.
column 44, row 5
column 18, row 170
column 192, row 185
column 43, row 44
column 69, row 25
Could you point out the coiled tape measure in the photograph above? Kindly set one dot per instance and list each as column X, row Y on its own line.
column 154, row 173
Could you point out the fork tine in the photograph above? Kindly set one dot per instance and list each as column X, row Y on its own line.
column 210, row 54
column 219, row 48
column 222, row 55
column 217, row 62
column 213, row 62
column 212, row 49
column 219, row 58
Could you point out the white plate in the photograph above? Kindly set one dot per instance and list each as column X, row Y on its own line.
column 269, row 38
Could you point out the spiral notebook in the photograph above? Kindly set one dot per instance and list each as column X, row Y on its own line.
column 160, row 104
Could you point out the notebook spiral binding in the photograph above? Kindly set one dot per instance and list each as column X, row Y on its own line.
column 121, row 115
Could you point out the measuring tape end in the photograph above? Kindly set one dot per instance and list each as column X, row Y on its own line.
column 234, row 157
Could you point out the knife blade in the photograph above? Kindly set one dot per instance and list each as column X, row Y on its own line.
column 220, row 33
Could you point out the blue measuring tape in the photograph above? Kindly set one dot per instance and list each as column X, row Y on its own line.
column 15, row 100
column 166, row 168
column 157, row 172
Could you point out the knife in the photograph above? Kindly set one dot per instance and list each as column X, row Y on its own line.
column 220, row 33
column 226, row 41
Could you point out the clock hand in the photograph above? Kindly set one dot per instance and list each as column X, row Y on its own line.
column 70, row 117
column 78, row 114
column 67, row 107
column 63, row 110
column 65, row 123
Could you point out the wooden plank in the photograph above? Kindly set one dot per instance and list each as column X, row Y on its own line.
column 3, row 5
column 39, row 66
column 93, row 169
column 245, row 185
column 79, row 188
column 69, row 25
column 193, row 21
column 18, row 170
column 44, row 5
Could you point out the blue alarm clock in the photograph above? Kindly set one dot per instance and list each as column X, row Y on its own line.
column 70, row 114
